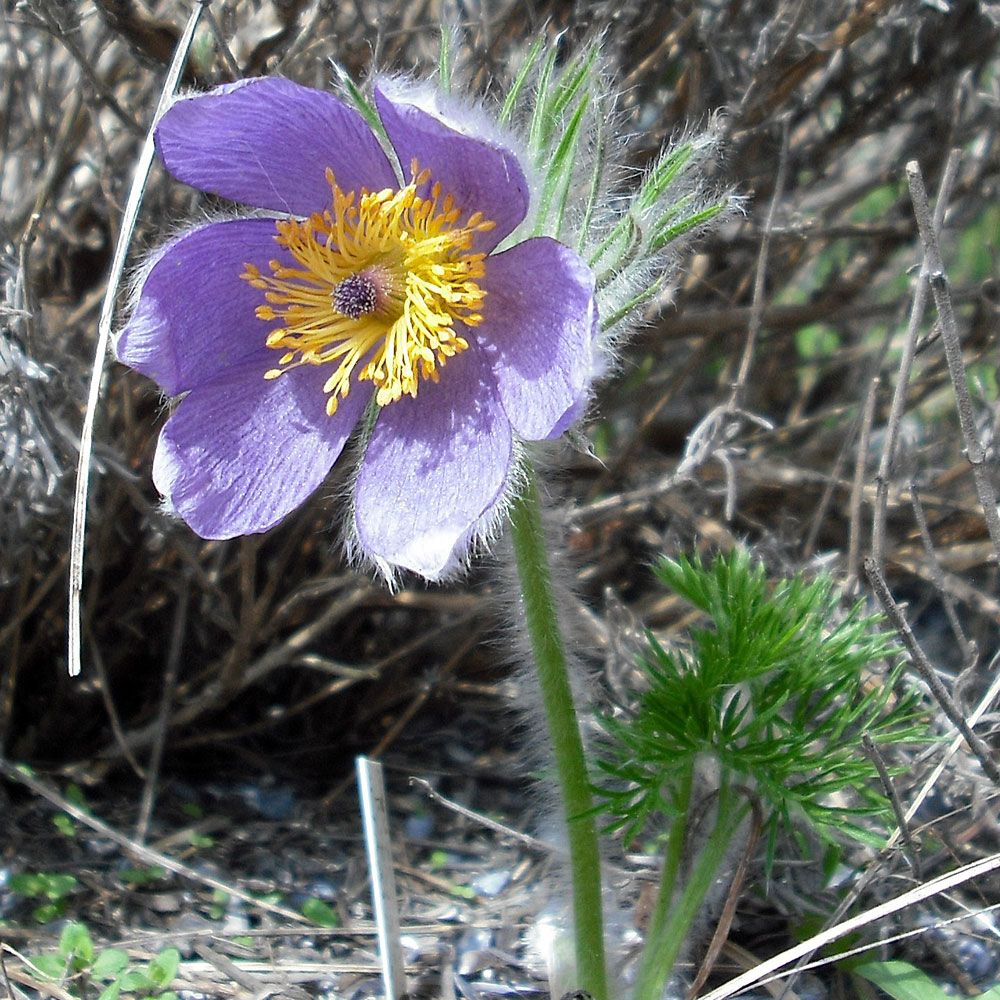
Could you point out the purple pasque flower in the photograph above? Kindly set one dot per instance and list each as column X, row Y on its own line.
column 378, row 289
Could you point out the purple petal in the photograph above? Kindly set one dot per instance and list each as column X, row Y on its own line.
column 434, row 466
column 242, row 451
column 538, row 333
column 195, row 315
column 267, row 142
column 480, row 176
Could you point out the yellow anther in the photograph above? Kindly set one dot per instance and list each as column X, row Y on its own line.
column 406, row 252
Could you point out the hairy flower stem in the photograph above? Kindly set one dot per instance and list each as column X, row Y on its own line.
column 539, row 606
column 673, row 915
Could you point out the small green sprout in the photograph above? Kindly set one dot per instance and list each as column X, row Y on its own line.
column 765, row 710
column 136, row 878
column 320, row 913
column 64, row 824
column 51, row 889
column 220, row 900
column 77, row 965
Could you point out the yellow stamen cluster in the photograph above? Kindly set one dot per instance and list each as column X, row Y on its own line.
column 413, row 276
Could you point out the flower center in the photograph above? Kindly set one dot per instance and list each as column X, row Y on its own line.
column 383, row 277
column 355, row 296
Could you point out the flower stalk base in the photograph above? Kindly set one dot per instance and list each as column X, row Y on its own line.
column 540, row 615
column 675, row 912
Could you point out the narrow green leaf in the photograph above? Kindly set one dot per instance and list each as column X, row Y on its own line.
column 510, row 101
column 637, row 300
column 627, row 228
column 560, row 172
column 536, row 128
column 444, row 61
column 661, row 238
column 663, row 175
column 570, row 83
column 596, row 177
column 901, row 981
column 629, row 251
column 361, row 103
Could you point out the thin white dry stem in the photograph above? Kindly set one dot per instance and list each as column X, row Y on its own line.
column 885, row 942
column 873, row 872
column 131, row 214
column 909, row 847
column 491, row 824
column 375, row 820
column 760, row 277
column 934, row 887
column 980, row 710
column 33, row 977
column 722, row 423
column 6, row 979
column 114, row 719
column 256, row 985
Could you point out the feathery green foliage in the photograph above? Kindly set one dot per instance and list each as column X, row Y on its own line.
column 769, row 704
column 775, row 691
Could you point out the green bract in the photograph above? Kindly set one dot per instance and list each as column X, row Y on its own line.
column 629, row 234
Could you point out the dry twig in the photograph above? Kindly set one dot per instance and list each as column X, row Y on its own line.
column 975, row 453
column 917, row 657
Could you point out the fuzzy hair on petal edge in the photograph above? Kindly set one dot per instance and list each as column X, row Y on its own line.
column 472, row 120
column 477, row 540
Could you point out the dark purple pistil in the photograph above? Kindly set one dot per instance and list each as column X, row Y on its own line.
column 355, row 296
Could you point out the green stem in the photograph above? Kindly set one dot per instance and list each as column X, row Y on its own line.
column 672, row 857
column 672, row 918
column 540, row 614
